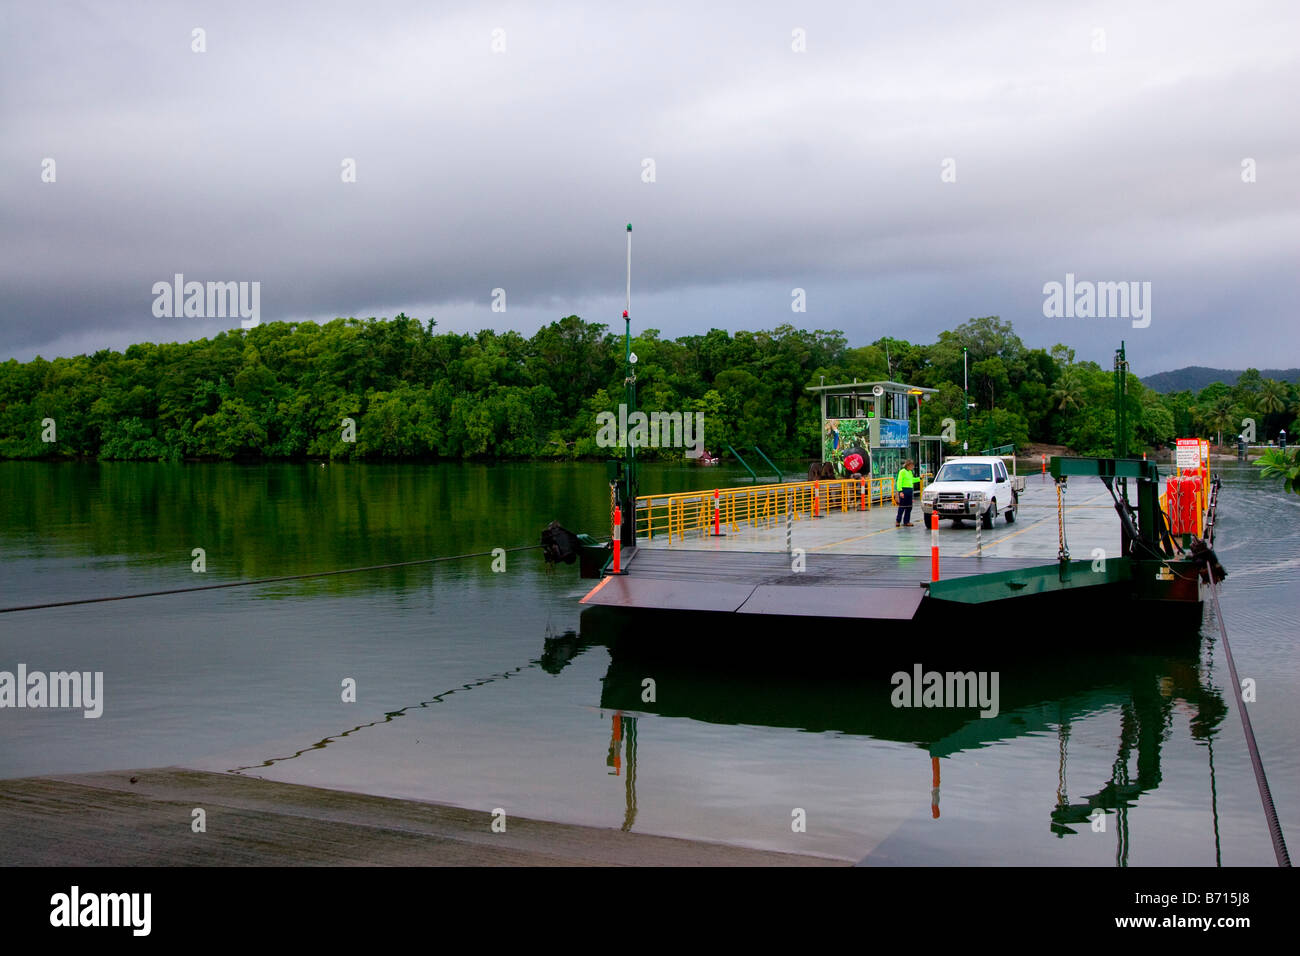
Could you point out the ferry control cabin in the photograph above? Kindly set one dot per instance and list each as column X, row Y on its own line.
column 882, row 418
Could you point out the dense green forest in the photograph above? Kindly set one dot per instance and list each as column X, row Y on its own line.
column 281, row 391
column 1196, row 377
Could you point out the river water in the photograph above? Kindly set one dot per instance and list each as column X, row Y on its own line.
column 486, row 689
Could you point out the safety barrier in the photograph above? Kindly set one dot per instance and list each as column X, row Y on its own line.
column 676, row 515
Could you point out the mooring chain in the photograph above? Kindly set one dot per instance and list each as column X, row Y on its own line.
column 1063, row 552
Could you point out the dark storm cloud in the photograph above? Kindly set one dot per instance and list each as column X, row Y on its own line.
column 773, row 169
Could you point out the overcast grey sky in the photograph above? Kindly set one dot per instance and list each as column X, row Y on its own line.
column 1105, row 140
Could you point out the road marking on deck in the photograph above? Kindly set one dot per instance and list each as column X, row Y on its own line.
column 592, row 592
column 861, row 537
column 1007, row 537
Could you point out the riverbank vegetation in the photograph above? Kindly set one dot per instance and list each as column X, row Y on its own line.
column 282, row 391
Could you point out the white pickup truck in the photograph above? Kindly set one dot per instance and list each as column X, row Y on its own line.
column 973, row 487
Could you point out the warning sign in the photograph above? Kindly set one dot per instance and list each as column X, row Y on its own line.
column 1189, row 453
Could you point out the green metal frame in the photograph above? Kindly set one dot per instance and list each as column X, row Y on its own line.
column 780, row 478
column 1148, row 572
column 1066, row 574
column 1114, row 471
column 1000, row 451
column 744, row 464
column 758, row 451
column 1023, row 582
column 1062, row 467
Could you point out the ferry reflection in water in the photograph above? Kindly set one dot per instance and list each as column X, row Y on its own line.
column 1045, row 692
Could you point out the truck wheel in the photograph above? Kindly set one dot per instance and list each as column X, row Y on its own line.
column 1009, row 516
column 990, row 513
column 925, row 519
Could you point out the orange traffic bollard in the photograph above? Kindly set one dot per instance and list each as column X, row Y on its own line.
column 817, row 494
column 862, row 504
column 618, row 535
column 934, row 546
column 1044, row 457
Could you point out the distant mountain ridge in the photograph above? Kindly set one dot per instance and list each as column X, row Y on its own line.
column 1193, row 378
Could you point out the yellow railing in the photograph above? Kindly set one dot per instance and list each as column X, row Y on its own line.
column 677, row 514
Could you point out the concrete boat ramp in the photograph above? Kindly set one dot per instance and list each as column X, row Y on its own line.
column 146, row 817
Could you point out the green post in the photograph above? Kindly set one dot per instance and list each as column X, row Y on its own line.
column 1121, row 412
column 1121, row 403
column 965, row 403
column 628, row 505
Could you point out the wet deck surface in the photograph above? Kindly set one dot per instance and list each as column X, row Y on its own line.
column 853, row 563
column 102, row 819
column 828, row 585
column 1090, row 522
column 829, row 569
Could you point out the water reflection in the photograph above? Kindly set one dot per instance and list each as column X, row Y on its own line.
column 1157, row 690
column 623, row 728
column 236, row 678
column 1149, row 691
column 1044, row 693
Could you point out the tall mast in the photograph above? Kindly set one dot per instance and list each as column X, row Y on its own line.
column 629, row 379
column 965, row 401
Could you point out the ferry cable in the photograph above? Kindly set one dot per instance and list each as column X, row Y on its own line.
column 1265, row 796
column 284, row 577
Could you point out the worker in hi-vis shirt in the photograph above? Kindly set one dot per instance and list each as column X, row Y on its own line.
column 903, row 486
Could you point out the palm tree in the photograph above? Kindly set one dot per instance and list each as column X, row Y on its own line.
column 1069, row 390
column 1272, row 396
column 1221, row 415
